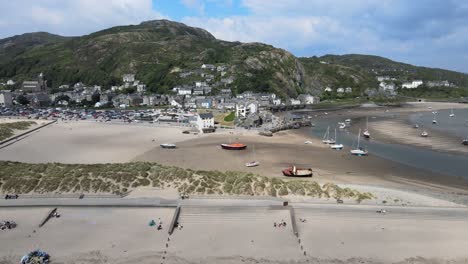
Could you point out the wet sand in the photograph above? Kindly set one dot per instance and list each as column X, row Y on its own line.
column 287, row 148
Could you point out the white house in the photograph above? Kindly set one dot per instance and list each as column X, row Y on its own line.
column 175, row 103
column 340, row 90
column 348, row 90
column 388, row 87
column 245, row 109
column 208, row 67
column 200, row 84
column 276, row 101
column 412, row 85
column 10, row 82
column 385, row 78
column 182, row 90
column 6, row 99
column 141, row 88
column 306, row 99
column 205, row 121
column 128, row 78
column 294, row 101
column 328, row 89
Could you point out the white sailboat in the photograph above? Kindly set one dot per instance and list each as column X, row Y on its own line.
column 326, row 137
column 434, row 120
column 254, row 162
column 424, row 134
column 451, row 113
column 359, row 151
column 366, row 133
column 335, row 145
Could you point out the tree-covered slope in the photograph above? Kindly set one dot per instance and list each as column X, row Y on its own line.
column 159, row 51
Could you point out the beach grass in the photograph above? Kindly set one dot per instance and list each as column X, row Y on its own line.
column 118, row 178
column 7, row 129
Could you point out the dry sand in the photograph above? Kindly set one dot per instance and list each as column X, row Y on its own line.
column 237, row 235
column 84, row 234
column 407, row 237
column 90, row 142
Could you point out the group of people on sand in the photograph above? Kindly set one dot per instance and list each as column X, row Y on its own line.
column 9, row 196
column 280, row 224
column 158, row 226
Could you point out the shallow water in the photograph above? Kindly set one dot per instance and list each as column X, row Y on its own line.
column 455, row 126
column 438, row 162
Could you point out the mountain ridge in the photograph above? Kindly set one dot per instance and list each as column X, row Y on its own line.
column 157, row 50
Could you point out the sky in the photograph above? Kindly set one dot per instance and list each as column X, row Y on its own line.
column 431, row 33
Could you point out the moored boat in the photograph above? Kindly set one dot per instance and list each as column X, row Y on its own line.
column 168, row 146
column 252, row 164
column 297, row 172
column 359, row 151
column 424, row 134
column 465, row 142
column 326, row 137
column 335, row 145
column 434, row 120
column 366, row 133
column 234, row 146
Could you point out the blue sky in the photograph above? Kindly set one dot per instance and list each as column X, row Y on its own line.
column 430, row 33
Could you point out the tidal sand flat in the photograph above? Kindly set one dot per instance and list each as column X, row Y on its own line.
column 90, row 142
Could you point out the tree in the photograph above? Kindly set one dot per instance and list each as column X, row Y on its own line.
column 22, row 100
column 61, row 98
column 96, row 97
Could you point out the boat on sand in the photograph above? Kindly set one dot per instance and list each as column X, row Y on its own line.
column 254, row 162
column 168, row 146
column 234, row 146
column 297, row 172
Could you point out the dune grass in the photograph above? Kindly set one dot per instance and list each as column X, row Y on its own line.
column 119, row 178
column 7, row 129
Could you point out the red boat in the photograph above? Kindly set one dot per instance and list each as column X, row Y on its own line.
column 234, row 146
column 297, row 172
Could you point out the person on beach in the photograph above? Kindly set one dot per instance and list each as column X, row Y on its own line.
column 274, row 224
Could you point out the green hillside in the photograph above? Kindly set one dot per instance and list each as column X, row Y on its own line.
column 159, row 51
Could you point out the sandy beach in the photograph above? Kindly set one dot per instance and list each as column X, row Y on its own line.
column 90, row 142
column 94, row 142
column 237, row 234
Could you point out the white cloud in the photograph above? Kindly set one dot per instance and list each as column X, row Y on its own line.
column 419, row 32
column 75, row 17
column 197, row 5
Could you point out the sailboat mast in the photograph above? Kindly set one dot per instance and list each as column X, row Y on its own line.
column 359, row 135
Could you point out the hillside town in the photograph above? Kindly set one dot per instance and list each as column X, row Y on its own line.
column 206, row 90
